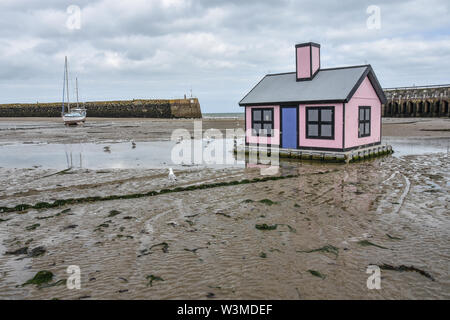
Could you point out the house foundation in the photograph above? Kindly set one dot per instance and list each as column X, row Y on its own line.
column 354, row 155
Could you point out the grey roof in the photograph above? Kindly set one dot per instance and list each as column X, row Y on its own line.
column 335, row 84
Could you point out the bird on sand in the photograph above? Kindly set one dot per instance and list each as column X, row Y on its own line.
column 172, row 176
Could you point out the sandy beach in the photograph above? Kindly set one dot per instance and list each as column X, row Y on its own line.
column 309, row 235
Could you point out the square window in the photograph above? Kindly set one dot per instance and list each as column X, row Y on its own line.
column 257, row 127
column 313, row 115
column 267, row 115
column 268, row 128
column 326, row 115
column 256, row 115
column 320, row 122
column 262, row 122
column 313, row 130
column 326, row 130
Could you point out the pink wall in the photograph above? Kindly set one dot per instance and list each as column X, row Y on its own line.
column 303, row 62
column 321, row 143
column 276, row 124
column 364, row 96
column 315, row 59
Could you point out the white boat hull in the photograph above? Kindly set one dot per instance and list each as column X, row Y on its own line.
column 79, row 116
column 73, row 120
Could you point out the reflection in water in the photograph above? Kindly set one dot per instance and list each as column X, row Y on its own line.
column 158, row 154
column 417, row 146
column 70, row 157
column 145, row 155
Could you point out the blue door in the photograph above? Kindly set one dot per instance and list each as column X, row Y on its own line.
column 289, row 128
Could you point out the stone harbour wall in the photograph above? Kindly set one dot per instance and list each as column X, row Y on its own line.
column 175, row 108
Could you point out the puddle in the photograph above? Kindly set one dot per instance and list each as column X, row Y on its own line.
column 157, row 154
column 418, row 146
column 122, row 155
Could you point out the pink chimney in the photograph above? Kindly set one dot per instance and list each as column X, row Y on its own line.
column 307, row 56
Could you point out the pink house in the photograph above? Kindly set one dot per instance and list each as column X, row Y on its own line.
column 333, row 109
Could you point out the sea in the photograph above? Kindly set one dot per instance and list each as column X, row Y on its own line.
column 237, row 115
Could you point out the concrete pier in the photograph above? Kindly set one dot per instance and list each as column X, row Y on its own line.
column 174, row 108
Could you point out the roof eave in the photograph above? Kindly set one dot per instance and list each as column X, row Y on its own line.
column 276, row 103
column 375, row 84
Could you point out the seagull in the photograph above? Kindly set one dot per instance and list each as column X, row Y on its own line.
column 133, row 144
column 172, row 176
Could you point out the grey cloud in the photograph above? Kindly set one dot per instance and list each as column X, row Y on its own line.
column 130, row 49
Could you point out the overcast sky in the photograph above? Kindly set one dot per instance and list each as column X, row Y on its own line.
column 220, row 49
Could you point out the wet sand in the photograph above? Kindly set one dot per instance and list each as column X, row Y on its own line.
column 205, row 244
column 49, row 130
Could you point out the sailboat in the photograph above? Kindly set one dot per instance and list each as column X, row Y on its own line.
column 76, row 115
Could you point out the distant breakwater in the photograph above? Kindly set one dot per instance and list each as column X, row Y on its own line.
column 175, row 108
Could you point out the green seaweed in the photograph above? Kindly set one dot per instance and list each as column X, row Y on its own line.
column 44, row 218
column 4, row 220
column 113, row 213
column 265, row 226
column 402, row 268
column 56, row 215
column 317, row 274
column 195, row 249
column 17, row 252
column 100, row 226
column 36, row 252
column 248, row 201
column 69, row 201
column 325, row 249
column 291, row 229
column 268, row 202
column 42, row 277
column 366, row 243
column 164, row 246
column 54, row 284
column 32, row 227
column 223, row 214
column 392, row 237
column 63, row 212
column 263, row 255
column 152, row 278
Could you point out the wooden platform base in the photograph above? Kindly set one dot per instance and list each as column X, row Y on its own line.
column 327, row 156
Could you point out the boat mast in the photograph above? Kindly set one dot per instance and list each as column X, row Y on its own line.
column 76, row 84
column 64, row 86
column 67, row 84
